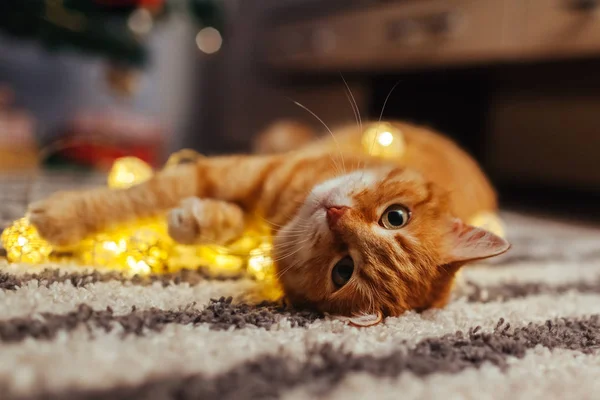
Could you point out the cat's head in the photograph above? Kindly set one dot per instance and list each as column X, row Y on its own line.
column 378, row 241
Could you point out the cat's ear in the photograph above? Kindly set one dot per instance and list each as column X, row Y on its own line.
column 469, row 243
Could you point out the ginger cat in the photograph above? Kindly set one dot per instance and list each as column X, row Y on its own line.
column 353, row 234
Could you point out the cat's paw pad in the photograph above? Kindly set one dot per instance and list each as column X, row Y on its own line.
column 57, row 220
column 183, row 226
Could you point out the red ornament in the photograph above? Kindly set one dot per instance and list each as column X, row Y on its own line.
column 99, row 138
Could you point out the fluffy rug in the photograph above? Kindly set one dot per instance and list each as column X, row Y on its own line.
column 525, row 326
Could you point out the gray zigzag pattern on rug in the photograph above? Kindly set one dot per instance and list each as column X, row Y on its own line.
column 326, row 365
column 49, row 276
column 221, row 314
column 474, row 292
column 515, row 290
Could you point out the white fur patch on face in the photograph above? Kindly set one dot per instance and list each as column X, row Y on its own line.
column 339, row 191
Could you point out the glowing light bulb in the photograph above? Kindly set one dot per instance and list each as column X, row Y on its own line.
column 245, row 244
column 105, row 249
column 183, row 257
column 260, row 262
column 383, row 140
column 183, row 157
column 209, row 40
column 148, row 251
column 127, row 172
column 219, row 260
column 23, row 243
column 140, row 22
column 139, row 267
column 139, row 247
column 261, row 266
column 111, row 246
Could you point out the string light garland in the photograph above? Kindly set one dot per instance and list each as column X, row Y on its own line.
column 144, row 246
column 383, row 140
column 23, row 243
column 128, row 171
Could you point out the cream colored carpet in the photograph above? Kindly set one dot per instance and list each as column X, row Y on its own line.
column 526, row 326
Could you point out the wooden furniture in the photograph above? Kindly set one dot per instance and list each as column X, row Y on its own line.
column 411, row 34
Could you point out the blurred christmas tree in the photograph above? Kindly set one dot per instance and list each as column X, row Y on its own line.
column 117, row 31
column 113, row 29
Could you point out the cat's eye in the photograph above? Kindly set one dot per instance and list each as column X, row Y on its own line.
column 342, row 271
column 395, row 217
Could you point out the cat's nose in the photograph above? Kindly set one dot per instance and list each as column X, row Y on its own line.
column 334, row 213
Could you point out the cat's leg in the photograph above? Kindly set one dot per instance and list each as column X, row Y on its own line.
column 67, row 217
column 64, row 218
column 205, row 221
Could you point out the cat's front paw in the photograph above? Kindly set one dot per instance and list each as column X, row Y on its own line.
column 182, row 224
column 57, row 220
column 199, row 221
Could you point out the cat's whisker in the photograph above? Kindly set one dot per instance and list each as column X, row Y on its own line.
column 357, row 116
column 353, row 110
column 328, row 129
column 267, row 221
column 289, row 242
column 338, row 170
column 292, row 236
column 356, row 111
column 300, row 229
column 285, row 271
column 285, row 252
column 288, row 253
column 292, row 253
column 289, row 245
column 302, row 221
column 306, row 222
column 305, row 239
column 387, row 98
column 301, row 224
column 353, row 103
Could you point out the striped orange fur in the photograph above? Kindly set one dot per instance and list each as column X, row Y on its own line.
column 325, row 202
